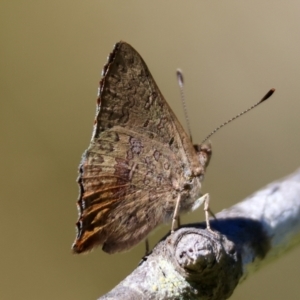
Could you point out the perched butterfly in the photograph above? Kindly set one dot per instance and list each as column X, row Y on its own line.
column 140, row 161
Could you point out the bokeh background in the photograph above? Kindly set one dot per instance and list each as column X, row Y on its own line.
column 52, row 52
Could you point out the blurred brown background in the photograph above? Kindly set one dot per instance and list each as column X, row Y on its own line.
column 52, row 53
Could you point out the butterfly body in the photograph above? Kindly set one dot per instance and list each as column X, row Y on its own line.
column 139, row 160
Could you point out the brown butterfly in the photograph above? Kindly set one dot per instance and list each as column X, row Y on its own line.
column 140, row 162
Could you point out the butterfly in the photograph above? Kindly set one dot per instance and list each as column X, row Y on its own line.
column 140, row 162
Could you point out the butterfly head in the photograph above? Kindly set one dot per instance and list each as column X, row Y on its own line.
column 204, row 153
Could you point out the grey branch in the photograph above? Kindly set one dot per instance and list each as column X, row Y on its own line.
column 194, row 263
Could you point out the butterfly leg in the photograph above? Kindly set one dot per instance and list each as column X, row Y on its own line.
column 207, row 210
column 175, row 215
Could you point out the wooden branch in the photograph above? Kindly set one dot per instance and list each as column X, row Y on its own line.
column 194, row 263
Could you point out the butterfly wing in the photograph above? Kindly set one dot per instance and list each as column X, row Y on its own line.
column 137, row 161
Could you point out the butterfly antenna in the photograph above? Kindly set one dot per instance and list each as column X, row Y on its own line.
column 181, row 83
column 267, row 96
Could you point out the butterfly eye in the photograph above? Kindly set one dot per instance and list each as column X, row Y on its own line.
column 187, row 186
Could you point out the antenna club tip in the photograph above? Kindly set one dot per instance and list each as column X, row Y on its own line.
column 179, row 75
column 268, row 95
